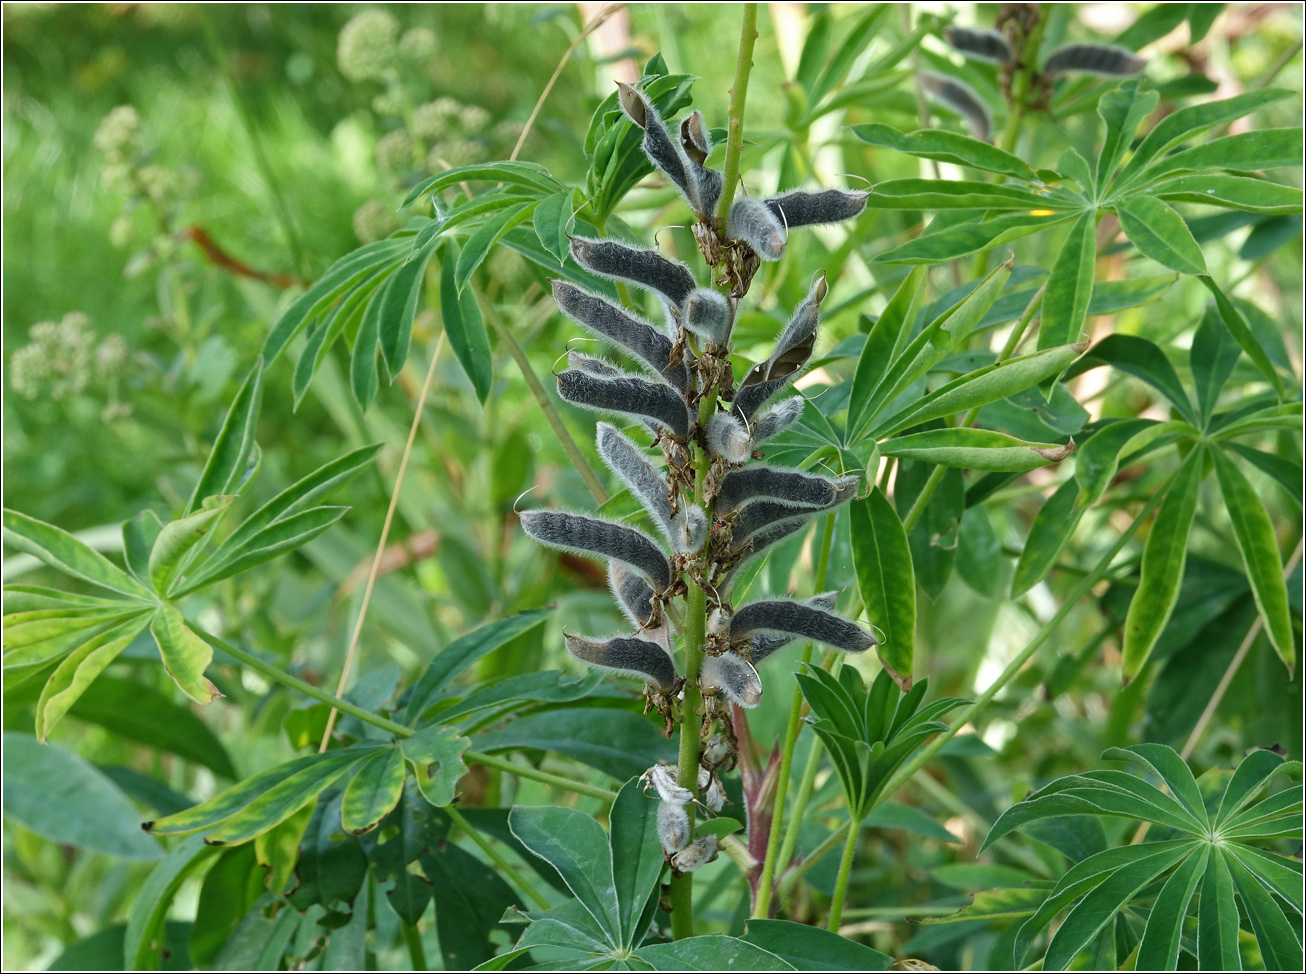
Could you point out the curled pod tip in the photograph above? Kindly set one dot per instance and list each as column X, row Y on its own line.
column 733, row 676
column 757, row 225
column 778, row 418
column 727, row 437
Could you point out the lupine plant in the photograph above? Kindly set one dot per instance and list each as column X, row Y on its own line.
column 856, row 483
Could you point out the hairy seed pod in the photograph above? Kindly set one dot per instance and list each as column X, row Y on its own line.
column 628, row 656
column 777, row 419
column 718, row 621
column 764, row 644
column 657, row 145
column 753, row 222
column 588, row 535
column 627, row 395
column 727, row 437
column 792, row 350
column 792, row 487
column 704, row 183
column 641, row 477
column 982, row 45
column 633, row 594
column 699, row 853
column 762, row 514
column 717, row 751
column 733, row 676
column 801, row 621
column 645, row 268
column 709, row 315
column 1102, row 59
column 592, row 365
column 688, row 530
column 962, row 99
column 803, row 209
column 673, row 827
column 622, row 329
column 747, row 548
column 664, row 778
column 714, row 798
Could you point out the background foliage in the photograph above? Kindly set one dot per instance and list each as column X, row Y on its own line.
column 151, row 253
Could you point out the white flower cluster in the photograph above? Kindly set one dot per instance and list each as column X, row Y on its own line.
column 62, row 359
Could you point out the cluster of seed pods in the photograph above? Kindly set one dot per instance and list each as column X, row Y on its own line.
column 711, row 504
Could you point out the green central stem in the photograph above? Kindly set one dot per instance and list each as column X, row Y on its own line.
column 1021, row 80
column 841, row 883
column 735, row 125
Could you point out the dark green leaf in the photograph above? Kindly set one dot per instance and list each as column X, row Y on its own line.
column 617, row 742
column 529, row 176
column 808, row 948
column 464, row 327
column 224, row 471
column 1065, row 304
column 61, row 551
column 552, row 221
column 1160, row 233
column 1239, row 328
column 882, row 559
column 1142, row 359
column 711, row 952
column 1052, row 527
column 637, row 857
column 946, row 147
column 399, row 306
column 1121, row 109
column 143, row 940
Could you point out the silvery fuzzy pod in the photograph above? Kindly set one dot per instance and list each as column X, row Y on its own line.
column 792, row 350
column 588, row 535
column 982, row 45
column 777, row 419
column 709, row 315
column 698, row 853
column 633, row 595
column 627, row 395
column 664, row 779
column 647, row 485
column 644, row 268
column 753, row 222
column 962, row 99
column 673, row 827
column 747, row 548
column 627, row 656
column 688, row 530
column 763, row 644
column 704, row 183
column 804, row 209
column 593, row 365
column 727, row 437
column 1102, row 59
column 658, row 146
column 801, row 621
column 714, row 798
column 717, row 750
column 792, row 487
column 622, row 329
column 733, row 676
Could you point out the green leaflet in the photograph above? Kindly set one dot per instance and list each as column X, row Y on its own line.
column 943, row 146
column 436, row 754
column 552, row 220
column 185, row 655
column 463, row 325
column 883, row 344
column 1122, row 109
column 1052, row 527
column 373, row 791
column 1160, row 233
column 1234, row 192
column 179, row 541
column 79, row 668
column 974, row 449
column 1242, row 332
column 1163, row 565
column 1070, row 285
column 481, row 241
column 60, row 550
column 225, row 469
column 882, row 560
column 969, row 238
column 1260, row 553
column 529, row 176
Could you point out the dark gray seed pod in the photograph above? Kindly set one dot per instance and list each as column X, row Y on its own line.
column 697, row 854
column 644, row 268
column 764, row 644
column 1103, row 59
column 633, row 594
column 747, row 548
column 588, row 535
column 753, row 222
column 982, row 45
column 658, row 145
column 727, row 437
column 802, row 622
column 802, row 209
column 761, row 514
column 622, row 329
column 786, row 486
column 962, row 99
column 704, row 183
column 778, row 418
column 627, row 655
column 628, row 395
column 592, row 365
column 688, row 530
column 732, row 675
column 673, row 827
column 792, row 350
column 646, row 484
column 709, row 315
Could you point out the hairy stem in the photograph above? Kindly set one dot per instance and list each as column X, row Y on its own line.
column 546, row 405
column 735, row 125
column 936, row 475
column 841, row 883
column 508, row 869
column 762, row 903
column 1020, row 82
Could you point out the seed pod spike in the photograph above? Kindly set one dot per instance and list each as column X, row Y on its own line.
column 962, row 99
column 759, row 226
column 762, row 645
column 1100, row 59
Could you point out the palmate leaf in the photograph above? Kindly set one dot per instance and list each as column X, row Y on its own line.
column 61, row 551
column 1207, row 861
